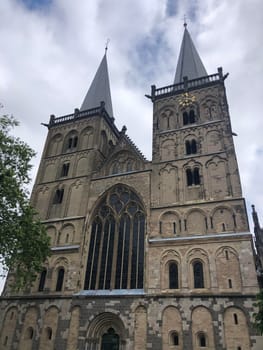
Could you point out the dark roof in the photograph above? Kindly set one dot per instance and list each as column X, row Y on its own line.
column 189, row 63
column 99, row 89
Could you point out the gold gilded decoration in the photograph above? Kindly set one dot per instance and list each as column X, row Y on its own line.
column 186, row 99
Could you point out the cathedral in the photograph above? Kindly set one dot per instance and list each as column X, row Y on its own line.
column 144, row 254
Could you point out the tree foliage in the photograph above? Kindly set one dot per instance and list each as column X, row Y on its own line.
column 24, row 244
column 258, row 317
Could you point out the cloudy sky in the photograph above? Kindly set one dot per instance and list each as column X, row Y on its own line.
column 50, row 50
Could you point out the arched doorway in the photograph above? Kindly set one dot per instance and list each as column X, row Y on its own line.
column 110, row 340
column 106, row 332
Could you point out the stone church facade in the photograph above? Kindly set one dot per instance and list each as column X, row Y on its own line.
column 145, row 254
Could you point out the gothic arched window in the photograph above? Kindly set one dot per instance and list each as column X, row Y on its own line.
column 116, row 247
column 42, row 280
column 198, row 274
column 60, row 279
column 173, row 276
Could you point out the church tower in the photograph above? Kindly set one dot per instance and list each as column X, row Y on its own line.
column 144, row 254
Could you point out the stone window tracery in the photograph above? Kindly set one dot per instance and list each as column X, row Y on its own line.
column 116, row 247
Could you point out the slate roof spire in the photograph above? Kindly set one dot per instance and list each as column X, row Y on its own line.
column 189, row 62
column 99, row 89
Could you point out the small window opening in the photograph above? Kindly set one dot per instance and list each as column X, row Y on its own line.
column 196, row 176
column 173, row 276
column 193, row 147
column 202, row 340
column 223, row 227
column 72, row 142
column 185, row 118
column 29, row 333
column 239, row 348
column 58, row 197
column 227, row 256
column 6, row 340
column 198, row 274
column 75, row 141
column 235, row 318
column 160, row 227
column 49, row 333
column 42, row 280
column 188, row 147
column 60, row 279
column 175, row 339
column 12, row 315
column 192, row 116
column 189, row 177
column 174, row 227
column 230, row 283
column 65, row 169
column 67, row 238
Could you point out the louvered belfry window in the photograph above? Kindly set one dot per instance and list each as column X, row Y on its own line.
column 116, row 244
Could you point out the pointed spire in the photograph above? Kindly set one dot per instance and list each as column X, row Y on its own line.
column 99, row 89
column 189, row 63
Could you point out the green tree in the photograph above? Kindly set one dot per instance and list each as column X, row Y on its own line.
column 258, row 316
column 24, row 244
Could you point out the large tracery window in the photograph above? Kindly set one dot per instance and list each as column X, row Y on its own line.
column 116, row 247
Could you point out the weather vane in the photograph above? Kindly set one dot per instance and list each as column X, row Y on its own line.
column 106, row 45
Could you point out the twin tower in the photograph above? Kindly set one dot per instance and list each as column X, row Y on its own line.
column 145, row 254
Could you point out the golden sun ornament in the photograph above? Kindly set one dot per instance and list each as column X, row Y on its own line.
column 186, row 99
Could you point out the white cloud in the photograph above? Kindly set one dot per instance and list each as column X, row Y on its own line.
column 49, row 57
